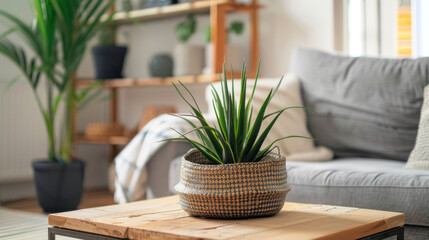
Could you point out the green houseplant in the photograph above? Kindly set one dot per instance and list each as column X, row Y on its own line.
column 188, row 58
column 57, row 39
column 229, row 174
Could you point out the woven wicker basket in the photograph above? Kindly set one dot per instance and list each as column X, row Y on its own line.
column 229, row 191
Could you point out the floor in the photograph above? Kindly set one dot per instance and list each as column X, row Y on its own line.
column 29, row 224
column 94, row 198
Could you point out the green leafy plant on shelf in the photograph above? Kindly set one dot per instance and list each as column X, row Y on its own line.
column 235, row 27
column 236, row 138
column 107, row 36
column 57, row 41
column 184, row 30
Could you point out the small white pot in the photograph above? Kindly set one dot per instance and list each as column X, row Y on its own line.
column 188, row 59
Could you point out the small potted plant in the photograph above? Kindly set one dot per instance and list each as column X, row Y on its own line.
column 233, row 51
column 108, row 57
column 57, row 40
column 229, row 174
column 188, row 58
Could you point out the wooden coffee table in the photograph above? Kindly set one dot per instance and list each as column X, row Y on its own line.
column 164, row 219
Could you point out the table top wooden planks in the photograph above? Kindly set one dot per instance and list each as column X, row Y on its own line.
column 164, row 219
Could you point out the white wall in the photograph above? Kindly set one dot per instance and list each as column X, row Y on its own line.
column 287, row 24
column 284, row 25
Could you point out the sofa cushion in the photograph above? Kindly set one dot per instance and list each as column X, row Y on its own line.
column 419, row 157
column 366, row 106
column 363, row 183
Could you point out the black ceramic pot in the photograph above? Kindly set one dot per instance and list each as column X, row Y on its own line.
column 109, row 61
column 161, row 65
column 59, row 186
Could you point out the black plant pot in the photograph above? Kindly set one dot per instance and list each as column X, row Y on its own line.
column 59, row 186
column 109, row 61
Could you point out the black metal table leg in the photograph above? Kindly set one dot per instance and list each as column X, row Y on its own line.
column 398, row 232
column 401, row 234
column 51, row 234
column 53, row 231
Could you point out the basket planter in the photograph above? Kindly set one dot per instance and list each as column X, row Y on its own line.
column 240, row 190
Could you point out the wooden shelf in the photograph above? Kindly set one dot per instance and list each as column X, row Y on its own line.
column 203, row 6
column 117, row 140
column 146, row 82
column 164, row 12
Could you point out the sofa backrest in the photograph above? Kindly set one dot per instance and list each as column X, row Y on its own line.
column 366, row 106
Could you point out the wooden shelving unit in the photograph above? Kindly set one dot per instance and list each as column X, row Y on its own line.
column 147, row 82
column 117, row 140
column 164, row 12
column 218, row 10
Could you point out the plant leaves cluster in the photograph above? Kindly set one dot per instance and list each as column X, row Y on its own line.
column 235, row 138
column 57, row 39
column 184, row 30
column 236, row 27
column 107, row 36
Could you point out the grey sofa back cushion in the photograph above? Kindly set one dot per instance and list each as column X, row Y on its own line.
column 366, row 106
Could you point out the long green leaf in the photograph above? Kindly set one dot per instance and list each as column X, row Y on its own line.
column 25, row 31
column 199, row 146
column 286, row 108
column 242, row 119
column 264, row 152
column 257, row 145
column 254, row 131
column 217, row 145
column 200, row 134
column 227, row 153
column 11, row 83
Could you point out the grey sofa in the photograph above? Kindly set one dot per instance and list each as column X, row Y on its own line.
column 368, row 113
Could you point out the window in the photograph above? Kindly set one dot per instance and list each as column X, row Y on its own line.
column 387, row 28
column 420, row 28
column 355, row 27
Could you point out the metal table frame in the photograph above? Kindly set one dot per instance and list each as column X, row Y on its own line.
column 53, row 231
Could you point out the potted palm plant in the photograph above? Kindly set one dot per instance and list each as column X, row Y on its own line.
column 229, row 174
column 57, row 39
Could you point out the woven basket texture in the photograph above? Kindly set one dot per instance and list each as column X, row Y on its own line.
column 231, row 191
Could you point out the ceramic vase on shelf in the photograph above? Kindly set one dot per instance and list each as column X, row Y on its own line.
column 161, row 65
column 188, row 59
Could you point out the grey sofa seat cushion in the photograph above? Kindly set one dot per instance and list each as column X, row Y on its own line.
column 366, row 106
column 364, row 183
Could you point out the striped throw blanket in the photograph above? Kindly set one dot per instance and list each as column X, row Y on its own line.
column 131, row 161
